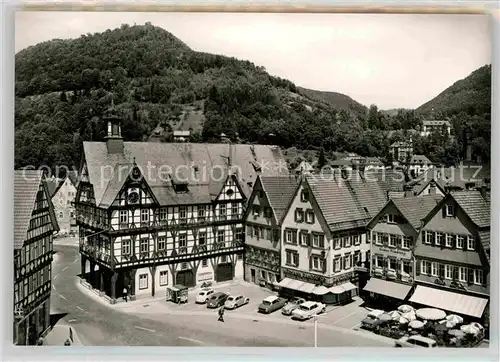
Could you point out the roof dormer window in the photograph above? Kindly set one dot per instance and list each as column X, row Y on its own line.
column 180, row 188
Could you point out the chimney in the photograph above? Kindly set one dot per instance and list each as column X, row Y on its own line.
column 114, row 140
column 484, row 190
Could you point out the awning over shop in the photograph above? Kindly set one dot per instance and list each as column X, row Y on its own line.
column 450, row 301
column 337, row 289
column 348, row 286
column 320, row 290
column 284, row 282
column 306, row 287
column 390, row 289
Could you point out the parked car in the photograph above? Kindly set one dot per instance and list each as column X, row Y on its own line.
column 372, row 321
column 416, row 341
column 307, row 310
column 216, row 300
column 291, row 305
column 272, row 303
column 235, row 301
column 203, row 295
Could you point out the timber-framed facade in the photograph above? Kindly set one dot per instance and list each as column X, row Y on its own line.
column 34, row 226
column 145, row 232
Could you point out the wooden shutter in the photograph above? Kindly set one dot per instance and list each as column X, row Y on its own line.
column 341, row 263
column 294, row 237
column 443, row 210
column 417, row 266
column 321, row 241
column 470, row 275
column 295, row 218
column 455, row 273
column 310, row 262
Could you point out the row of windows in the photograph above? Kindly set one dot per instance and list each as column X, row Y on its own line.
column 224, row 210
column 313, row 239
column 260, row 232
column 144, row 245
column 449, row 240
column 30, row 284
column 392, row 240
column 347, row 241
column 404, row 266
column 39, row 231
column 258, row 210
column 317, row 263
column 39, row 221
column 35, row 249
column 451, row 272
column 306, row 216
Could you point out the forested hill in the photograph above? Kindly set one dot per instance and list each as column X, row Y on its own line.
column 471, row 95
column 336, row 100
column 160, row 84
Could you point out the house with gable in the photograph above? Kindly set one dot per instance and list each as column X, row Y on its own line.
column 452, row 256
column 34, row 226
column 393, row 234
column 324, row 235
column 266, row 207
column 152, row 215
column 63, row 193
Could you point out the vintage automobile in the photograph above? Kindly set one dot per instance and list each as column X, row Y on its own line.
column 216, row 300
column 307, row 310
column 291, row 305
column 371, row 321
column 235, row 301
column 416, row 341
column 271, row 304
column 203, row 295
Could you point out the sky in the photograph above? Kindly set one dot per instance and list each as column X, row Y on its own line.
column 391, row 60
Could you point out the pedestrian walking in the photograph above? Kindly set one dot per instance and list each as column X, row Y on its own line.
column 221, row 314
column 125, row 291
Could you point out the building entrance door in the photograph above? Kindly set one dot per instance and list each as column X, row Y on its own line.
column 224, row 272
column 186, row 278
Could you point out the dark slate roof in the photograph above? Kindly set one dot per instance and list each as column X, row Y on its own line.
column 26, row 184
column 53, row 185
column 475, row 206
column 485, row 238
column 420, row 159
column 348, row 203
column 279, row 191
column 164, row 163
column 415, row 208
column 74, row 177
column 392, row 180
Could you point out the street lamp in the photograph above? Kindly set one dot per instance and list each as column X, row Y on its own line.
column 315, row 330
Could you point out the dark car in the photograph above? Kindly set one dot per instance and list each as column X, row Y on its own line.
column 270, row 304
column 371, row 322
column 217, row 299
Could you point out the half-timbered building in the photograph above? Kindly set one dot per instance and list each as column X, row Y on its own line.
column 266, row 207
column 34, row 225
column 156, row 214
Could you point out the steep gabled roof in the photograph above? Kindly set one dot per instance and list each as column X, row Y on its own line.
column 415, row 208
column 420, row 160
column 454, row 177
column 279, row 192
column 347, row 203
column 73, row 177
column 26, row 186
column 392, row 180
column 160, row 162
column 53, row 185
column 475, row 206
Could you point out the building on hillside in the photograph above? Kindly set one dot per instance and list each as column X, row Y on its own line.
column 168, row 213
column 373, row 163
column 34, row 226
column 393, row 234
column 181, row 136
column 401, row 151
column 63, row 197
column 432, row 126
column 445, row 179
column 341, row 164
column 324, row 236
column 452, row 256
column 418, row 165
column 265, row 210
